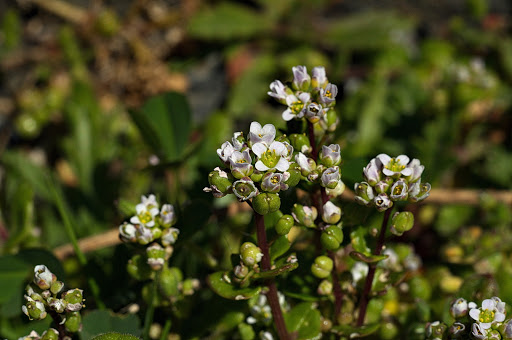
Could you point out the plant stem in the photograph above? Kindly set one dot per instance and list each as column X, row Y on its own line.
column 148, row 319
column 312, row 141
column 58, row 324
column 273, row 299
column 166, row 329
column 365, row 298
column 338, row 293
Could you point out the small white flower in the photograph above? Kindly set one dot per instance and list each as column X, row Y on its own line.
column 278, row 91
column 297, row 105
column 305, row 163
column 328, row 95
column 319, row 79
column 145, row 213
column 43, row 277
column 488, row 313
column 372, row 172
column 331, row 213
column 301, row 78
column 271, row 157
column 167, row 215
column 237, row 140
column 259, row 134
column 417, row 170
column 395, row 166
column 225, row 151
column 127, row 232
column 478, row 331
column 169, row 236
column 338, row 190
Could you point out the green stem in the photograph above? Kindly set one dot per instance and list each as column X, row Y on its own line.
column 70, row 231
column 365, row 298
column 166, row 329
column 148, row 319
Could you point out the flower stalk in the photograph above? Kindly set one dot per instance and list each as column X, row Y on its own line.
column 365, row 298
column 273, row 299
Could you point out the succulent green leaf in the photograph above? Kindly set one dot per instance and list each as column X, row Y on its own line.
column 304, row 320
column 275, row 272
column 356, row 332
column 115, row 336
column 279, row 247
column 227, row 290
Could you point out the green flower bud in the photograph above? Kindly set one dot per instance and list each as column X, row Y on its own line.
column 250, row 254
column 138, row 268
column 330, row 121
column 324, row 288
column 300, row 143
column 221, row 181
column 304, row 215
column 322, row 267
column 73, row 322
column 56, row 287
column 332, row 237
column 295, row 174
column 189, row 285
column 240, row 271
column 506, row 329
column 156, row 256
column 284, row 224
column 157, row 233
column 381, row 187
column 74, row 298
column 169, row 281
column 493, row 334
column 388, row 331
column 50, row 334
column 266, row 203
column 34, row 310
column 401, row 222
column 257, row 176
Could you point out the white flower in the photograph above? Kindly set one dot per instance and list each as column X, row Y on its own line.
column 319, row 79
column 328, row 95
column 417, row 170
column 395, row 166
column 127, row 232
column 331, row 213
column 146, row 212
column 271, row 157
column 167, row 215
column 372, row 171
column 225, row 151
column 492, row 310
column 301, row 78
column 358, row 271
column 43, row 277
column 241, row 164
column 296, row 105
column 258, row 134
column 478, row 331
column 278, row 91
column 305, row 163
column 238, row 141
column 338, row 190
column 169, row 236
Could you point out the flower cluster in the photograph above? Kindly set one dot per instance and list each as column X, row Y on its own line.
column 152, row 225
column 388, row 180
column 485, row 322
column 47, row 298
column 256, row 168
column 310, row 97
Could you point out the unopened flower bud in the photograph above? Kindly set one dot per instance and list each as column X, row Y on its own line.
column 56, row 287
column 331, row 237
column 257, row 175
column 331, row 213
column 459, row 308
column 284, row 224
column 244, row 189
column 295, row 172
column 493, row 334
column 381, row 187
column 328, row 95
column 238, row 141
column 372, row 172
column 167, row 216
column 314, row 112
column 241, row 164
column 156, row 256
column 50, row 334
column 144, row 235
column 188, row 286
column 250, row 254
column 169, row 236
column 34, row 310
column 318, row 78
column 401, row 222
column 364, row 193
column 300, row 142
column 73, row 322
column 457, row 330
column 322, row 267
column 330, row 155
column 43, row 277
column 324, row 288
column 301, row 78
column 506, row 329
column 32, row 336
column 337, row 191
column 304, row 215
column 435, row 330
column 127, row 232
column 240, row 271
column 331, row 177
column 330, row 121
column 266, row 203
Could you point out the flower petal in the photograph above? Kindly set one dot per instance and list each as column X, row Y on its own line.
column 282, row 165
column 259, row 149
column 488, row 304
column 384, row 158
column 474, row 313
column 260, row 166
column 403, row 159
column 288, row 115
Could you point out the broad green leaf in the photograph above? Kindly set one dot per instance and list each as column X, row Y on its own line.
column 229, row 321
column 164, row 122
column 14, row 273
column 367, row 258
column 279, row 247
column 115, row 336
column 227, row 21
column 275, row 272
column 223, row 288
column 356, row 332
column 304, row 320
column 358, row 241
column 102, row 321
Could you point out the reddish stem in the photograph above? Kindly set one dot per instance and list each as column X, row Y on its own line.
column 365, row 298
column 273, row 299
column 312, row 141
column 58, row 324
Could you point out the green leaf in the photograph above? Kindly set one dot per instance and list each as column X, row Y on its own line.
column 356, row 332
column 279, row 247
column 115, row 336
column 367, row 258
column 304, row 320
column 358, row 241
column 219, row 285
column 226, row 21
column 275, row 272
column 14, row 273
column 102, row 321
column 164, row 122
